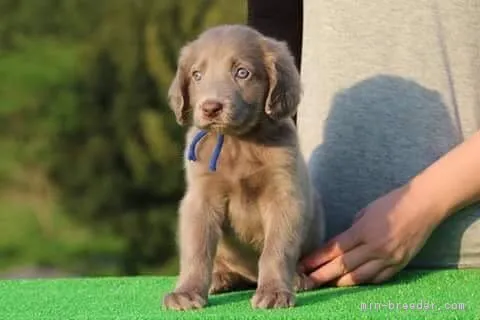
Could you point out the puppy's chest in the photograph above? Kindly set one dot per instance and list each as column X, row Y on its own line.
column 244, row 172
column 245, row 206
column 247, row 187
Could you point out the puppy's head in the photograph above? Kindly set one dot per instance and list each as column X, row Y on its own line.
column 232, row 77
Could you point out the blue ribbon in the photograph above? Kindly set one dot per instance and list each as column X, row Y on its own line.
column 216, row 152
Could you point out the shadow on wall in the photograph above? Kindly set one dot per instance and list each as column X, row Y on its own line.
column 378, row 134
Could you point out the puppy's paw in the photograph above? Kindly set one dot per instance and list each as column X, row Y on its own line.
column 303, row 283
column 267, row 299
column 184, row 301
column 222, row 282
column 228, row 281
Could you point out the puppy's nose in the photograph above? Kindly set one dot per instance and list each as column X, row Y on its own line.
column 211, row 109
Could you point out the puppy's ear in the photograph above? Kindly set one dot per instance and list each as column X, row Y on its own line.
column 284, row 80
column 178, row 97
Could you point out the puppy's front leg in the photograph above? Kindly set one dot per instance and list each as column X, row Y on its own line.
column 277, row 264
column 199, row 230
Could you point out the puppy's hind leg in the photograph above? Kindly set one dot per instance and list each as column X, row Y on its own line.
column 303, row 283
column 313, row 241
column 225, row 279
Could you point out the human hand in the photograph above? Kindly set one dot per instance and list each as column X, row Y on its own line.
column 384, row 237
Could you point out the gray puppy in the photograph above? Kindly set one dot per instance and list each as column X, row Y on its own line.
column 248, row 221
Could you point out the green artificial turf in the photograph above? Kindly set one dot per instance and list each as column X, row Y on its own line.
column 139, row 298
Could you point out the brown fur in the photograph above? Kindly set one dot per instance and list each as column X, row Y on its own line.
column 251, row 220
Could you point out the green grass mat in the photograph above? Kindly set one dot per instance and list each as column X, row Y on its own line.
column 139, row 298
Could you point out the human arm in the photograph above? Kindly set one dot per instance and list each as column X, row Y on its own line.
column 453, row 181
column 390, row 231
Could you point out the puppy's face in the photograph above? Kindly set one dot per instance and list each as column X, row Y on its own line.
column 228, row 82
column 231, row 77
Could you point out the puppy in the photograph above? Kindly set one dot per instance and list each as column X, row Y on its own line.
column 248, row 219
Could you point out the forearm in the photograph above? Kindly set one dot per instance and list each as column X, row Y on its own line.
column 452, row 182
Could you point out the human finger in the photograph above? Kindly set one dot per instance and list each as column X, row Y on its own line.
column 341, row 265
column 384, row 275
column 334, row 248
column 362, row 274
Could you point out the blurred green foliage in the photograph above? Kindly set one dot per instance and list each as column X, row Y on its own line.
column 91, row 156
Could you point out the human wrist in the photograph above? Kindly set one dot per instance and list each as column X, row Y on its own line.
column 450, row 183
column 427, row 195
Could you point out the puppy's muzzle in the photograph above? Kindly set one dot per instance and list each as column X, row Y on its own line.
column 211, row 109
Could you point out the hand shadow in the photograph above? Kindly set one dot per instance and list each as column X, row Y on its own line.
column 378, row 135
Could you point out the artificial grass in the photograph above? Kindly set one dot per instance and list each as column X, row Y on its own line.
column 139, row 298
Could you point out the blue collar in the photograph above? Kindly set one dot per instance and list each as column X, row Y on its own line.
column 216, row 152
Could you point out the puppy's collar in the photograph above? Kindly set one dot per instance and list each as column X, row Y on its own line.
column 216, row 152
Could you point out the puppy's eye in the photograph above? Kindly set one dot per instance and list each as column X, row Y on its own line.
column 242, row 73
column 196, row 75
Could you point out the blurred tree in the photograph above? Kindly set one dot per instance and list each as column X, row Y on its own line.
column 23, row 20
column 116, row 155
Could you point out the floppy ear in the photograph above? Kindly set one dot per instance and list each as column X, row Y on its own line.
column 178, row 98
column 284, row 80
